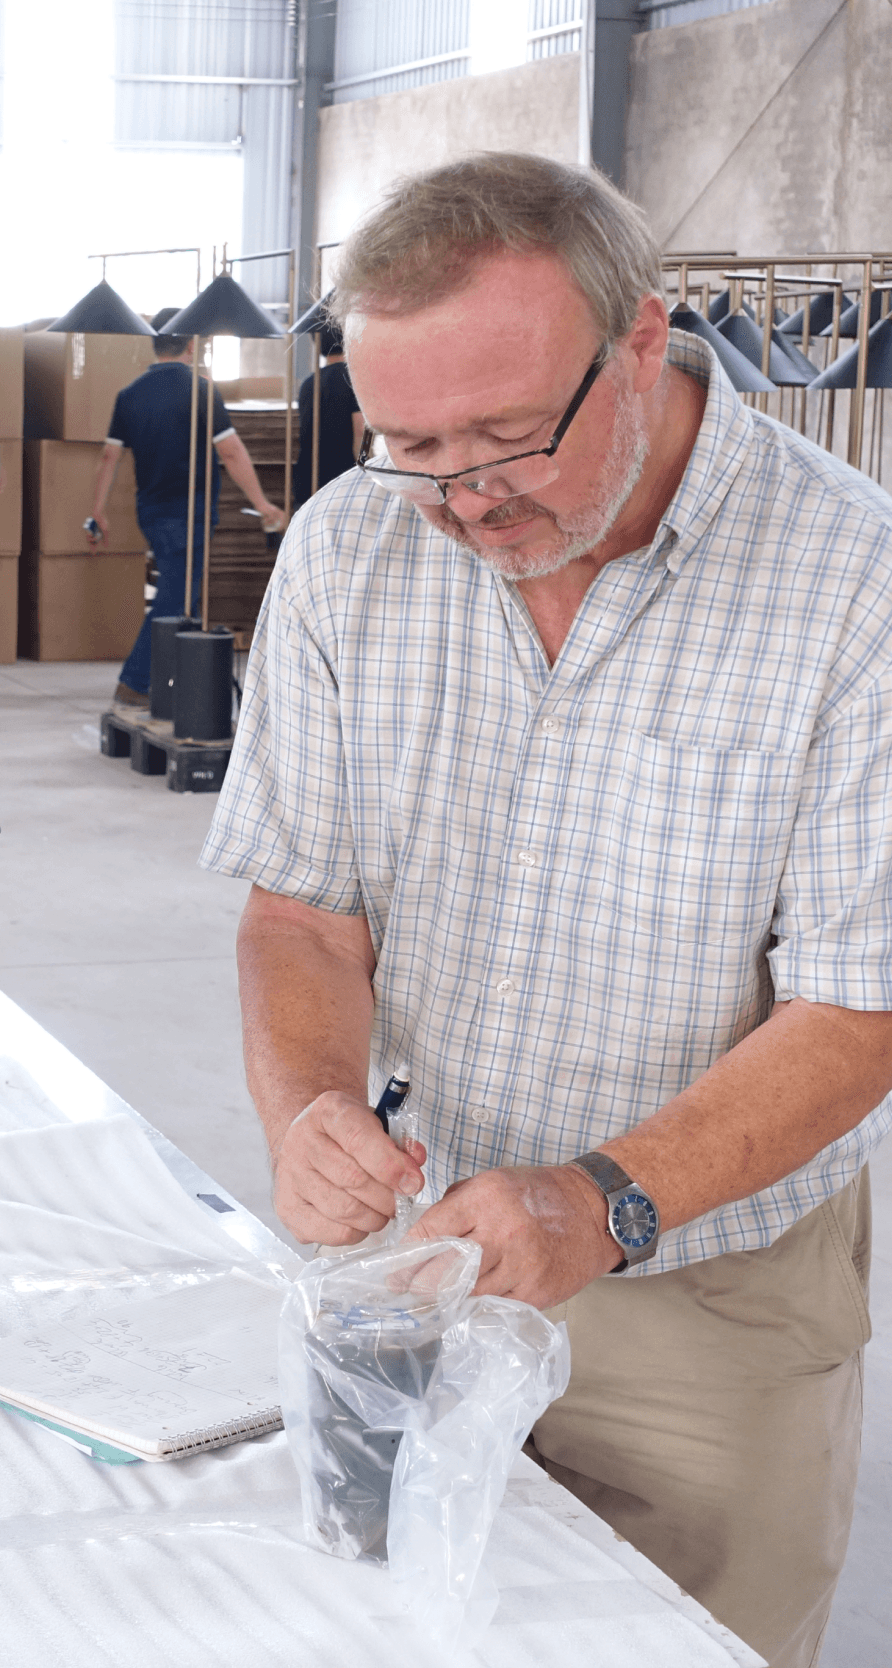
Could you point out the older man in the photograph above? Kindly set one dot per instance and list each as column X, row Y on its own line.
column 563, row 772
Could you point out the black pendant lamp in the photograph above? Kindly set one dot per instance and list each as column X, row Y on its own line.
column 720, row 307
column 820, row 318
column 849, row 320
column 102, row 312
column 743, row 375
column 745, row 335
column 223, row 309
column 843, row 373
column 314, row 319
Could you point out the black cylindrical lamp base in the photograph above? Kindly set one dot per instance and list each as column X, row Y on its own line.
column 164, row 660
column 202, row 702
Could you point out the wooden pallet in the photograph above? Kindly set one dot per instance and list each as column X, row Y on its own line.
column 154, row 750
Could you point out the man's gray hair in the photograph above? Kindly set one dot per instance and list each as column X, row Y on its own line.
column 426, row 238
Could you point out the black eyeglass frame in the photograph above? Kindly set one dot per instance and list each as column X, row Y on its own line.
column 588, row 381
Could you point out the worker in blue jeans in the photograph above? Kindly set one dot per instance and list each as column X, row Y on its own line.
column 152, row 416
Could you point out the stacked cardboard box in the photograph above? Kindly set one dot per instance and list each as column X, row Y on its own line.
column 11, row 415
column 241, row 562
column 76, row 603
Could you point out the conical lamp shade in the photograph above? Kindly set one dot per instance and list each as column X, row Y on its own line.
column 103, row 312
column 807, row 370
column 820, row 318
column 848, row 324
column 844, row 370
column 743, row 375
column 223, row 309
column 745, row 335
column 313, row 319
column 720, row 307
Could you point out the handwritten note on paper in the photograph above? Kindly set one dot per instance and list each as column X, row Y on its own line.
column 201, row 1356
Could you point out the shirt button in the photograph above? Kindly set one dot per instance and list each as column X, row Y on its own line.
column 551, row 726
column 505, row 987
column 528, row 859
column 480, row 1114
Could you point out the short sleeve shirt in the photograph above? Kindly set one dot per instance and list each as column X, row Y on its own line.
column 337, row 403
column 152, row 416
column 586, row 882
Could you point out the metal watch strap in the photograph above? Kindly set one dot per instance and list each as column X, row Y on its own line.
column 610, row 1177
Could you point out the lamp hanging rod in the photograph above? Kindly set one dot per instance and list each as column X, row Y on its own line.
column 265, row 255
column 118, row 254
column 215, row 80
column 790, row 278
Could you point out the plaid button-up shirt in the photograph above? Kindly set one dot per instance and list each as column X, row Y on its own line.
column 586, row 882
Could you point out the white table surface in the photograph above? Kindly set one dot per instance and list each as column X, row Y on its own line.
column 198, row 1563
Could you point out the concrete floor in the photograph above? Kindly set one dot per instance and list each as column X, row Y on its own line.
column 117, row 943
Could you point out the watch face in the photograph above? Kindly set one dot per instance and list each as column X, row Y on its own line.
column 634, row 1220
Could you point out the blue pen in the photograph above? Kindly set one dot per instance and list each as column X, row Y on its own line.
column 393, row 1096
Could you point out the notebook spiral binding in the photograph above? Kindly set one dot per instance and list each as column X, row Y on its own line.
column 219, row 1436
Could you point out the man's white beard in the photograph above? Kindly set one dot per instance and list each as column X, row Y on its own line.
column 579, row 534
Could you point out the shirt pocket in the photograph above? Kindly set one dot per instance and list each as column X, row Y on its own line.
column 698, row 839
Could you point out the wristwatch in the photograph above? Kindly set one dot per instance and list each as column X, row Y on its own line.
column 632, row 1217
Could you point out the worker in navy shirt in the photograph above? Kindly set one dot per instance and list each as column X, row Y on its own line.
column 152, row 416
column 340, row 425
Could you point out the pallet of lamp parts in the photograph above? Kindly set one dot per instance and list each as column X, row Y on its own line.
column 154, row 750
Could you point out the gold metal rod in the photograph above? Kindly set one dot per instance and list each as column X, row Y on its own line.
column 767, row 326
column 806, row 338
column 856, row 417
column 873, row 431
column 683, row 281
column 289, row 387
column 317, row 408
column 208, row 475
column 317, row 382
column 831, row 357
column 193, row 466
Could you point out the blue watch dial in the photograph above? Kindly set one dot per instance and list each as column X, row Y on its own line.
column 634, row 1220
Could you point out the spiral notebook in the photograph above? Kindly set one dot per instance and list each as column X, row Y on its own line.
column 158, row 1377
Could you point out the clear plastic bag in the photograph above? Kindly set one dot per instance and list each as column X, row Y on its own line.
column 406, row 1402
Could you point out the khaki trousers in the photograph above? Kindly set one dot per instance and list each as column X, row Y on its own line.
column 713, row 1418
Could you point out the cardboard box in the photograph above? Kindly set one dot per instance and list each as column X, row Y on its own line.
column 80, row 607
column 12, row 384
column 71, row 381
column 253, row 388
column 9, row 592
column 11, row 498
column 58, row 497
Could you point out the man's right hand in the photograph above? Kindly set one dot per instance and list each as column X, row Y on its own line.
column 337, row 1173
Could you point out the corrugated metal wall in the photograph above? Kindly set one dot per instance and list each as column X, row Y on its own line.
column 551, row 28
column 217, row 73
column 386, row 46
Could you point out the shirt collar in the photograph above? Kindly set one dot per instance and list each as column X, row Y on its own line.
column 719, row 453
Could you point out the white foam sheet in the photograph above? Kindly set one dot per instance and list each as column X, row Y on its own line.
column 197, row 1563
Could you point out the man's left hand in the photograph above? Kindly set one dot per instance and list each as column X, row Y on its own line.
column 543, row 1231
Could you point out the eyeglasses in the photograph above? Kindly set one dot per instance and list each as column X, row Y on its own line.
column 505, row 478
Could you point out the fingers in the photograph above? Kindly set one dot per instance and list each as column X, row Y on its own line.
column 337, row 1172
